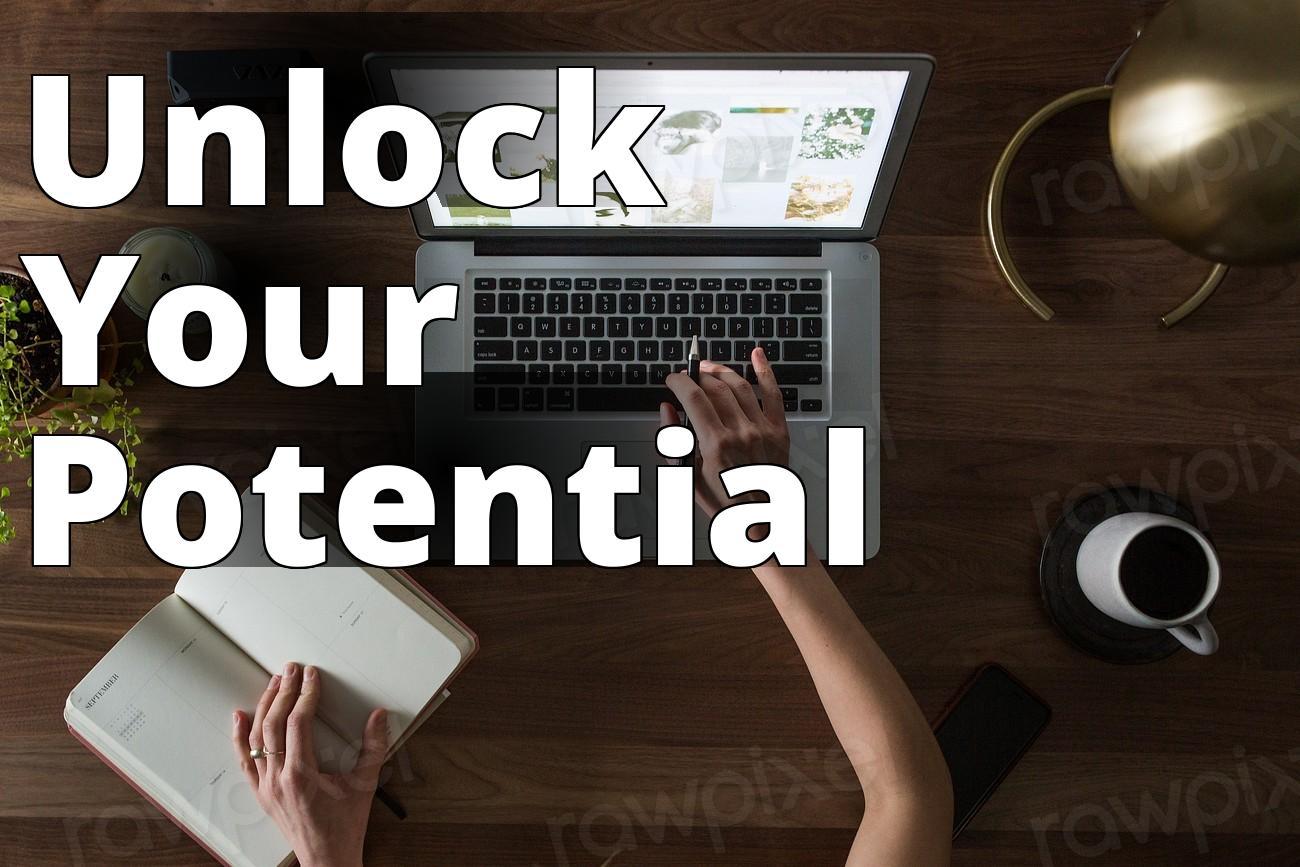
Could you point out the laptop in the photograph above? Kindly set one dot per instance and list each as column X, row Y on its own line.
column 776, row 171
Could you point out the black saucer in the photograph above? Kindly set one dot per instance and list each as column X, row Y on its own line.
column 1086, row 627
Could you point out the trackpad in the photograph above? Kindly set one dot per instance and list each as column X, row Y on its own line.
column 636, row 515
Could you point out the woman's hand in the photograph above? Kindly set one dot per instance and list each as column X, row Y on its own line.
column 323, row 815
column 731, row 427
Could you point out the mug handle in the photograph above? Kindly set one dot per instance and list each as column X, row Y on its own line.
column 1198, row 636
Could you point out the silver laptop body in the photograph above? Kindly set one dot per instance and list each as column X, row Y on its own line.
column 516, row 380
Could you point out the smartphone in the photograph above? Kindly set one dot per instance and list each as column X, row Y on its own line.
column 983, row 733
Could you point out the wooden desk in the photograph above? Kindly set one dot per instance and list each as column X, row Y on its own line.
column 669, row 708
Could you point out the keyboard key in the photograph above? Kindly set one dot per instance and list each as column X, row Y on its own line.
column 588, row 374
column 559, row 400
column 498, row 374
column 485, row 303
column 743, row 349
column 535, row 284
column 774, row 305
column 557, row 305
column 719, row 350
column 679, row 305
column 636, row 374
column 806, row 304
column 702, row 305
column 691, row 326
column 611, row 374
column 508, row 400
column 715, row 326
column 526, row 349
column 489, row 326
column 711, row 284
column 772, row 349
column 600, row 350
column 618, row 326
column 544, row 326
column 521, row 326
column 643, row 326
column 562, row 374
column 583, row 304
column 575, row 350
column 655, row 303
column 788, row 326
column 611, row 284
column 624, row 399
column 686, row 284
column 647, row 350
column 494, row 350
column 570, row 326
column 798, row 374
column 751, row 304
column 511, row 284
column 665, row 327
column 606, row 303
column 810, row 405
column 533, row 400
column 728, row 303
column 560, row 284
column 764, row 326
column 788, row 393
column 539, row 374
column 811, row 328
column 661, row 284
column 659, row 373
column 624, row 350
column 585, row 284
column 485, row 284
column 811, row 284
column 803, row 350
column 508, row 304
column 786, row 284
column 738, row 326
column 593, row 327
column 534, row 302
column 760, row 284
column 629, row 305
column 674, row 350
column 552, row 350
column 634, row 284
column 737, row 284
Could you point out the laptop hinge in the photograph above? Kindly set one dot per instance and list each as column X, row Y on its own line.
column 647, row 246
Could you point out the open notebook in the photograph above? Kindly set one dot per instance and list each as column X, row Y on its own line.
column 158, row 707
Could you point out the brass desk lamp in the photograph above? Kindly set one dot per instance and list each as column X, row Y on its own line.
column 1205, row 135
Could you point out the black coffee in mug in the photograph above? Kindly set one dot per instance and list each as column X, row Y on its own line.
column 1164, row 572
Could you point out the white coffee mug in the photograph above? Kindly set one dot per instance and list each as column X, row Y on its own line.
column 1098, row 568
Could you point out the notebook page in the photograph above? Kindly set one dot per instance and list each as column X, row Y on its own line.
column 374, row 649
column 159, row 705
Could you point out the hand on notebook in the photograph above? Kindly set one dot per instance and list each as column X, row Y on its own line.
column 731, row 427
column 323, row 815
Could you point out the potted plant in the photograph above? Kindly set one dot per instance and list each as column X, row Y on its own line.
column 32, row 400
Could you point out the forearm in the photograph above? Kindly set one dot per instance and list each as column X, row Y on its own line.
column 874, row 715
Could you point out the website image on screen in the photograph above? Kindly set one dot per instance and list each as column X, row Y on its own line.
column 731, row 149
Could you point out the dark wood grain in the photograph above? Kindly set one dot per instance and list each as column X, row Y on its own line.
column 667, row 712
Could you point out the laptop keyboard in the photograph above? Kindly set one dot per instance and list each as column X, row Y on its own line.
column 595, row 342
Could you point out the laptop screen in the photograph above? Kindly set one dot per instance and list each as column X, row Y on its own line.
column 732, row 149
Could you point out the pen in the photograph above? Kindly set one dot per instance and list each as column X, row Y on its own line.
column 693, row 371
